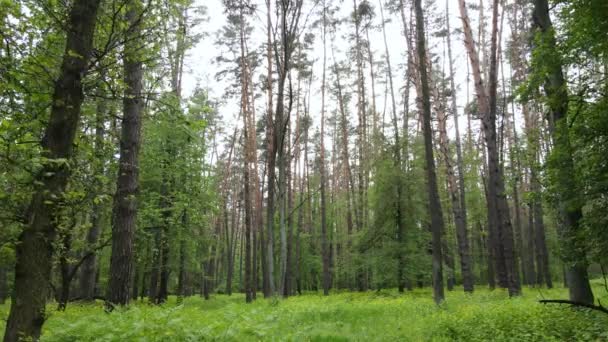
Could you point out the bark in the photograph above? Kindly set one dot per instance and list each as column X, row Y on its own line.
column 166, row 207
column 154, row 268
column 135, row 289
column 460, row 212
column 64, row 268
column 89, row 268
column 569, row 207
column 247, row 199
column 289, row 213
column 362, row 127
column 324, row 237
column 372, row 78
column 501, row 230
column 224, row 221
column 289, row 19
column 257, row 224
column 399, row 215
column 124, row 212
column 181, row 278
column 543, row 273
column 35, row 248
column 344, row 153
column 271, row 161
column 3, row 284
column 437, row 225
column 525, row 239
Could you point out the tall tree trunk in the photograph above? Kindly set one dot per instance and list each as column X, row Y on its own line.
column 362, row 126
column 89, row 267
column 271, row 142
column 399, row 215
column 437, row 225
column 247, row 199
column 166, row 207
column 3, row 284
column 460, row 213
column 525, row 240
column 35, row 248
column 181, row 277
column 543, row 273
column 344, row 154
column 154, row 269
column 324, row 237
column 501, row 231
column 125, row 207
column 569, row 207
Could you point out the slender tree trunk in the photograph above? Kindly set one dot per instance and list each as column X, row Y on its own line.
column 542, row 258
column 287, row 286
column 164, row 271
column 324, row 237
column 247, row 199
column 89, row 267
column 350, row 188
column 3, row 284
column 362, row 129
column 64, row 268
column 154, row 269
column 460, row 213
column 271, row 160
column 35, row 248
column 181, row 278
column 436, row 213
column 397, row 164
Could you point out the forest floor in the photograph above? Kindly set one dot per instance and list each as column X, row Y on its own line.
column 346, row 316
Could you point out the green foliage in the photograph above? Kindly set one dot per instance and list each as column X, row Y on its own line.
column 176, row 197
column 579, row 45
column 369, row 316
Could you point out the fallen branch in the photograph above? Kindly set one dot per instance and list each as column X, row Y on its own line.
column 598, row 307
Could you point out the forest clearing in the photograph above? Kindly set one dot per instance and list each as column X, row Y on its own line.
column 391, row 170
column 383, row 315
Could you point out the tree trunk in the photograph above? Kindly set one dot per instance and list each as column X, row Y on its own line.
column 125, row 205
column 35, row 248
column 271, row 142
column 362, row 133
column 247, row 199
column 3, row 284
column 501, row 231
column 436, row 213
column 569, row 207
column 324, row 237
column 181, row 278
column 154, row 268
column 460, row 213
column 543, row 273
column 89, row 267
column 397, row 164
column 164, row 271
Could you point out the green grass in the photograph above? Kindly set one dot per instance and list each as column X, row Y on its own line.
column 347, row 316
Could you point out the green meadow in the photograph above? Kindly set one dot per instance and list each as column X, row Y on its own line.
column 346, row 316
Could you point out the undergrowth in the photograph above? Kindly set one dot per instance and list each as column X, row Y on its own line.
column 347, row 316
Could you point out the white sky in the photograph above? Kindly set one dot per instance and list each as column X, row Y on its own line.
column 201, row 68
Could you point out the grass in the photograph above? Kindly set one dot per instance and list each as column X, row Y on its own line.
column 347, row 316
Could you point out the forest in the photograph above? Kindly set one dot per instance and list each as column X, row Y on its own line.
column 307, row 170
